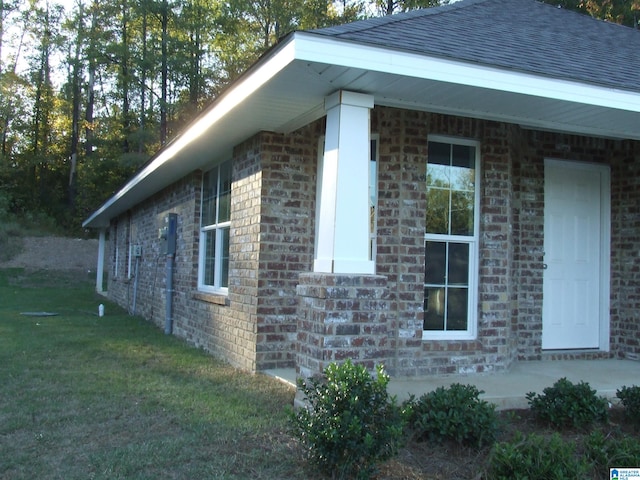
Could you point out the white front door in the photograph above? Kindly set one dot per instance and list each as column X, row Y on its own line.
column 572, row 256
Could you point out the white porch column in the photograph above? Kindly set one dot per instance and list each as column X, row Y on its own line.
column 343, row 220
column 100, row 267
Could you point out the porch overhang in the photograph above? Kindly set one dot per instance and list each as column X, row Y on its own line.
column 286, row 89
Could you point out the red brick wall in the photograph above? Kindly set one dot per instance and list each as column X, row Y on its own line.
column 341, row 317
column 400, row 255
column 273, row 222
column 286, row 239
column 625, row 245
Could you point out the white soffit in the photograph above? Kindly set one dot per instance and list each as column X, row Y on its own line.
column 329, row 51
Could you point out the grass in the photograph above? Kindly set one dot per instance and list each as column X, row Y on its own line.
column 85, row 397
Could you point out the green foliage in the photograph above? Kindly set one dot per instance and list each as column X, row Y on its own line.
column 609, row 451
column 455, row 413
column 617, row 11
column 630, row 398
column 569, row 405
column 350, row 423
column 536, row 457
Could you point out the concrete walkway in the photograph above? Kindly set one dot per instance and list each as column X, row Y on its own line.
column 508, row 390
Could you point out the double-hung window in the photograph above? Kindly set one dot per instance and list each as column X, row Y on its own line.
column 451, row 239
column 215, row 225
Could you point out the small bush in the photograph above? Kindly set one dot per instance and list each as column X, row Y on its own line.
column 611, row 451
column 351, row 423
column 535, row 457
column 569, row 405
column 455, row 413
column 630, row 398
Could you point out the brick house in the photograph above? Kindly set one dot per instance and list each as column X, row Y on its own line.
column 448, row 190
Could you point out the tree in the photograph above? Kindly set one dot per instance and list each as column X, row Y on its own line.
column 389, row 7
column 624, row 12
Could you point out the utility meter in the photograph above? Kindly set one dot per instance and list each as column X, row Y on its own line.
column 168, row 233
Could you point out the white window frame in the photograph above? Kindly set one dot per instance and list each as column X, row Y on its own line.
column 474, row 247
column 116, row 250
column 129, row 249
column 374, row 168
column 219, row 232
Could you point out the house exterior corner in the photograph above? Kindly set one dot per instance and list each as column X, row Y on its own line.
column 254, row 321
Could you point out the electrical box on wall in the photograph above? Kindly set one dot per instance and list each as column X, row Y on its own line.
column 137, row 250
column 168, row 234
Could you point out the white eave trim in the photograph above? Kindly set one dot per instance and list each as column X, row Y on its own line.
column 252, row 81
column 317, row 48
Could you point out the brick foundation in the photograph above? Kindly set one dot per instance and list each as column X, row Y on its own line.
column 341, row 317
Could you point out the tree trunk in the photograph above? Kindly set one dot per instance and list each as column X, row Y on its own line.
column 91, row 81
column 163, row 100
column 124, row 71
column 75, row 112
column 143, row 80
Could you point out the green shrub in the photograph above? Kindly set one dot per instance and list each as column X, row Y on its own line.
column 611, row 451
column 569, row 405
column 455, row 413
column 536, row 457
column 351, row 423
column 630, row 398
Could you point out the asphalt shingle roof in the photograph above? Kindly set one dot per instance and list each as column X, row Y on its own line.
column 522, row 35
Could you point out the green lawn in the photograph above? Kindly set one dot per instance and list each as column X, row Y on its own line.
column 84, row 397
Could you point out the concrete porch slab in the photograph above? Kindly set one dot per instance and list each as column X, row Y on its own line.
column 508, row 390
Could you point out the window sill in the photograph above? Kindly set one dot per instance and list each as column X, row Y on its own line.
column 216, row 299
column 447, row 336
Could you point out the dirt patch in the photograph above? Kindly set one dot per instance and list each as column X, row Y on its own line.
column 56, row 253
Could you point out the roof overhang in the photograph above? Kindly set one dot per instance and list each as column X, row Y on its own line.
column 285, row 90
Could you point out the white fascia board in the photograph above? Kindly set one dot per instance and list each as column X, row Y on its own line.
column 263, row 71
column 530, row 123
column 317, row 48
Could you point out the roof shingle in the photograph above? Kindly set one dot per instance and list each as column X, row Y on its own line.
column 522, row 35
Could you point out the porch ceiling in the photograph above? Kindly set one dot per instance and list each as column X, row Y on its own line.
column 286, row 90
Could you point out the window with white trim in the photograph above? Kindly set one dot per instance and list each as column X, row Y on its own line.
column 451, row 238
column 215, row 225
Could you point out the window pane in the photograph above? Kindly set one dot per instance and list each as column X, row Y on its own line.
column 209, row 194
column 224, row 213
column 462, row 178
column 435, row 263
column 462, row 213
column 437, row 220
column 439, row 153
column 457, row 308
column 438, row 164
column 224, row 280
column 373, row 194
column 458, row 264
column 434, row 308
column 209, row 257
column 463, row 156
